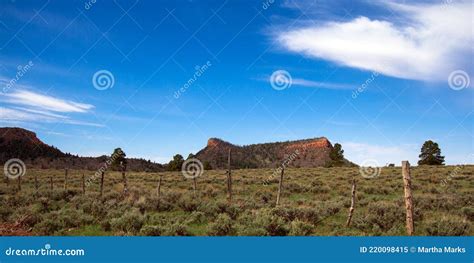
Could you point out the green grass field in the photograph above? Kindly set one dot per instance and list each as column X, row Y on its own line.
column 315, row 201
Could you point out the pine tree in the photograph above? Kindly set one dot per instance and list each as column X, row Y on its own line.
column 337, row 155
column 430, row 154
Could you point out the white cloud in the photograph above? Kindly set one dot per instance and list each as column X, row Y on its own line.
column 21, row 115
column 432, row 41
column 50, row 103
column 316, row 84
column 360, row 152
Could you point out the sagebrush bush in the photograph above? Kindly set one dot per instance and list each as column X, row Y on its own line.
column 130, row 223
column 300, row 228
column 149, row 230
column 384, row 215
column 448, row 226
column 222, row 226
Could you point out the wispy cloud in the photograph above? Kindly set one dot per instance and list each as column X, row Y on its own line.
column 432, row 41
column 311, row 83
column 50, row 103
column 9, row 115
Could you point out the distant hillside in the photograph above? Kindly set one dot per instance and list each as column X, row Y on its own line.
column 301, row 153
column 25, row 145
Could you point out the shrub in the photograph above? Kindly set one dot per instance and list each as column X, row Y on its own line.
column 148, row 230
column 130, row 222
column 274, row 225
column 176, row 229
column 300, row 228
column 222, row 226
column 468, row 212
column 384, row 215
column 188, row 204
column 448, row 226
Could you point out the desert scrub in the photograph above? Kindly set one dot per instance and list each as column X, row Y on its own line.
column 176, row 229
column 300, row 228
column 273, row 224
column 188, row 203
column 62, row 220
column 149, row 230
column 448, row 226
column 129, row 223
column 222, row 226
column 381, row 216
column 468, row 212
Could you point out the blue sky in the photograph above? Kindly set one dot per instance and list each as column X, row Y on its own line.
column 161, row 77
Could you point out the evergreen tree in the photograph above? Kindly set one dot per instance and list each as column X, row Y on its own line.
column 337, row 155
column 118, row 159
column 176, row 163
column 430, row 154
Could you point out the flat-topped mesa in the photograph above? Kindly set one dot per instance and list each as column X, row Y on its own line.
column 19, row 134
column 304, row 145
column 305, row 153
column 215, row 142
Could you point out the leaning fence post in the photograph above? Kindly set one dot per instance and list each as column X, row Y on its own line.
column 229, row 178
column 280, row 185
column 19, row 183
column 124, row 179
column 102, row 183
column 65, row 178
column 408, row 197
column 36, row 183
column 351, row 209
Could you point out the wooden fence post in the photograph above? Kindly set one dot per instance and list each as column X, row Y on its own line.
column 351, row 209
column 158, row 188
column 229, row 178
column 51, row 185
column 83, row 184
column 36, row 183
column 102, row 183
column 408, row 197
column 280, row 185
column 65, row 178
column 194, row 186
column 124, row 179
